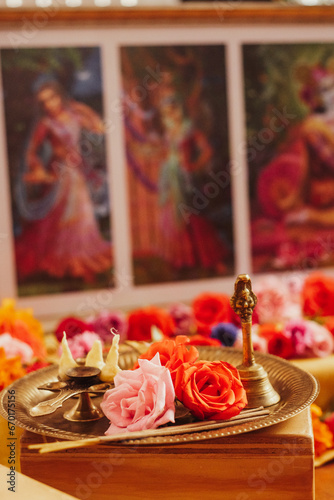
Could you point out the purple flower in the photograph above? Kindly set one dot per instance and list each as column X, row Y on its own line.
column 226, row 333
column 105, row 321
column 183, row 318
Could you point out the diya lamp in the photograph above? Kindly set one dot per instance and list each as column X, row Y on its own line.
column 253, row 376
column 94, row 377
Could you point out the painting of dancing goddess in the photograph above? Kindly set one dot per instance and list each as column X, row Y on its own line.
column 57, row 169
column 289, row 95
column 175, row 122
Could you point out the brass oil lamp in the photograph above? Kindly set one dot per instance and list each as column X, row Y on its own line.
column 255, row 379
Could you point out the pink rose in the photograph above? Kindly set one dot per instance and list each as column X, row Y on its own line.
column 276, row 300
column 14, row 347
column 300, row 332
column 141, row 399
column 322, row 341
column 81, row 344
column 183, row 318
column 271, row 301
column 309, row 339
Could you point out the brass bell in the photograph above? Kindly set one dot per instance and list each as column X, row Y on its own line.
column 255, row 379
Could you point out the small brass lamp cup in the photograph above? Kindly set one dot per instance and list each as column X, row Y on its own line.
column 84, row 410
column 255, row 379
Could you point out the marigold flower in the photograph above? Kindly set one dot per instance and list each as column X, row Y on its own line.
column 10, row 369
column 21, row 324
column 323, row 438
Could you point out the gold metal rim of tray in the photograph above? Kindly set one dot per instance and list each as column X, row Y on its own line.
column 297, row 388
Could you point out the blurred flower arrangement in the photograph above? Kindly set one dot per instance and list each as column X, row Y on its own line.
column 288, row 321
column 22, row 346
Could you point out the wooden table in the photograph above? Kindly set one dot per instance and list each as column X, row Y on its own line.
column 324, row 482
column 268, row 464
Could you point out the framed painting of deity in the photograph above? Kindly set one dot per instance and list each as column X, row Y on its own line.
column 289, row 96
column 57, row 169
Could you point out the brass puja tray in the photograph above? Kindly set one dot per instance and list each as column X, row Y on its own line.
column 297, row 388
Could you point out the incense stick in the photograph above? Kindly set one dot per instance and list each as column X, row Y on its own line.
column 243, row 417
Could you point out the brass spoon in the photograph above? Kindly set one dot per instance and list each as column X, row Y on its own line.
column 51, row 405
column 53, row 386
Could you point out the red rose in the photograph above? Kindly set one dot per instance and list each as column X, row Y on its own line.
column 278, row 342
column 318, row 295
column 210, row 309
column 72, row 327
column 172, row 353
column 211, row 390
column 141, row 321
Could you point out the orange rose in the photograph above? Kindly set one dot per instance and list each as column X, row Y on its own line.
column 172, row 353
column 210, row 309
column 141, row 321
column 318, row 295
column 211, row 390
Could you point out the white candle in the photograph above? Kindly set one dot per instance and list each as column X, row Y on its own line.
column 111, row 367
column 94, row 357
column 66, row 360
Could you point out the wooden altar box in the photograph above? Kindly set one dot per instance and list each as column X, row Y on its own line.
column 268, row 464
